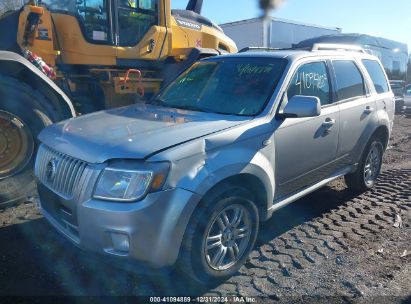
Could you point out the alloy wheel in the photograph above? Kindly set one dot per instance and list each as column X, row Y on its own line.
column 228, row 237
column 372, row 164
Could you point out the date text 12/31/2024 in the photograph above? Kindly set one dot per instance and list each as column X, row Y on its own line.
column 204, row 299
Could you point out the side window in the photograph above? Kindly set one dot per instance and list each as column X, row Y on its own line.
column 350, row 82
column 311, row 79
column 377, row 75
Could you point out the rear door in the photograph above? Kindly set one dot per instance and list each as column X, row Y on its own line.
column 305, row 148
column 357, row 109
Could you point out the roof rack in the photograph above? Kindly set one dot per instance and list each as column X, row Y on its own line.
column 337, row 47
column 257, row 48
column 315, row 47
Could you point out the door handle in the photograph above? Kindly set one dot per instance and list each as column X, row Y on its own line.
column 328, row 123
column 368, row 110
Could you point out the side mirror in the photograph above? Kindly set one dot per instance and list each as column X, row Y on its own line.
column 302, row 106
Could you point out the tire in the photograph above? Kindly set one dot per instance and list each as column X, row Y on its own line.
column 360, row 181
column 24, row 112
column 201, row 264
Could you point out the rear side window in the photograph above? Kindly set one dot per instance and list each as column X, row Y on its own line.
column 311, row 79
column 377, row 75
column 350, row 82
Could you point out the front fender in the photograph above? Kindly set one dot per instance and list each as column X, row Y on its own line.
column 12, row 64
column 200, row 172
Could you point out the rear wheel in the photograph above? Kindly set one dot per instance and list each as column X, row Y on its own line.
column 369, row 167
column 24, row 112
column 220, row 236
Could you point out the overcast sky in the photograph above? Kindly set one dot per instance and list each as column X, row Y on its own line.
column 388, row 19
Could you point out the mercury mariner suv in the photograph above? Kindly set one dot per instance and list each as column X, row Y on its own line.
column 186, row 178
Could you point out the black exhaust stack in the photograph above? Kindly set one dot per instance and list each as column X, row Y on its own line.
column 195, row 6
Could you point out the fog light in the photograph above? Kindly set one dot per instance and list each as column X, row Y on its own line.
column 120, row 242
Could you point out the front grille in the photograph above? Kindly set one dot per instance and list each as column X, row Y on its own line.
column 59, row 172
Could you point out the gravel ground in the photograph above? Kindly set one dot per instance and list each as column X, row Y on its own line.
column 330, row 246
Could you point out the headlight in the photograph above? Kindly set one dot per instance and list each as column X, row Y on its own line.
column 128, row 185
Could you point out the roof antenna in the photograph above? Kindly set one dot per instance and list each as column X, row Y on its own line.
column 195, row 6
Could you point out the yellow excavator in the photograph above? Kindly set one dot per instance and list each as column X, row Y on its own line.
column 59, row 58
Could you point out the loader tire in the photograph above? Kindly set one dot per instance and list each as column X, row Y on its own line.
column 24, row 112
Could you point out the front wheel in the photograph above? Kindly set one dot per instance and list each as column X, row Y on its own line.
column 220, row 236
column 369, row 167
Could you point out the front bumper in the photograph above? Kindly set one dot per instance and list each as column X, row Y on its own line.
column 154, row 226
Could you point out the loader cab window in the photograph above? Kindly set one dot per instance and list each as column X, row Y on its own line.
column 93, row 17
column 67, row 6
column 135, row 18
column 129, row 19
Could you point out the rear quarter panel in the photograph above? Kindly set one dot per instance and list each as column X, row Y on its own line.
column 386, row 109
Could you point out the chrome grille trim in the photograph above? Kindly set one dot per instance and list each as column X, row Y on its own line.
column 67, row 175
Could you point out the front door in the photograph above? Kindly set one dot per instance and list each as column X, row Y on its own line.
column 139, row 35
column 306, row 148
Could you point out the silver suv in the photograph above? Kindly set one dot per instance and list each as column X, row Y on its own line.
column 186, row 178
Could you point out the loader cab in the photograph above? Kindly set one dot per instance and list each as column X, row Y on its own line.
column 127, row 33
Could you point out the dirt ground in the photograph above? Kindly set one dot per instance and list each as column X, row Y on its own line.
column 329, row 247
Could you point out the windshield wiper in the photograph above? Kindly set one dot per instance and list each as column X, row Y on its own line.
column 160, row 102
column 186, row 107
column 206, row 110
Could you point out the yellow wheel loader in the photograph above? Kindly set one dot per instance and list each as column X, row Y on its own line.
column 59, row 58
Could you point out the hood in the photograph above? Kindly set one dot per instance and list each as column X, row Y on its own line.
column 134, row 132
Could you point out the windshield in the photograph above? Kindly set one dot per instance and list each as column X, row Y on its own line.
column 234, row 86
